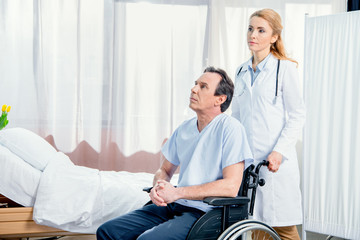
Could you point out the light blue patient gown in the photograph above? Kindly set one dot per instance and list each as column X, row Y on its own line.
column 203, row 155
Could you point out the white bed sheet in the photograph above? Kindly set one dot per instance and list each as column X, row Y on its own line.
column 18, row 180
column 79, row 199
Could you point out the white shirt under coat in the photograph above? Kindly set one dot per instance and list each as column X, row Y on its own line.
column 273, row 124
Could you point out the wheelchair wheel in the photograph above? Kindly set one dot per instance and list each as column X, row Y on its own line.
column 249, row 230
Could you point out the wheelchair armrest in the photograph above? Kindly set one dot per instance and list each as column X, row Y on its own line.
column 147, row 189
column 218, row 201
column 225, row 201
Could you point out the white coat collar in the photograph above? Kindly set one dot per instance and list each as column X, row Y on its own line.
column 244, row 71
column 270, row 64
column 244, row 67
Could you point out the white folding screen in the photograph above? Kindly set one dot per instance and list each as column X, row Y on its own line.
column 331, row 178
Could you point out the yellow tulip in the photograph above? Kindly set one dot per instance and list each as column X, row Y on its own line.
column 4, row 108
column 8, row 108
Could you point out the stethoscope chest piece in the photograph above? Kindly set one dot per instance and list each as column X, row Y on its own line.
column 275, row 100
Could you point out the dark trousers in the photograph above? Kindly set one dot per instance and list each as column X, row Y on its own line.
column 151, row 222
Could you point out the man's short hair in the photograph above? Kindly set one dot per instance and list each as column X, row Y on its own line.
column 225, row 86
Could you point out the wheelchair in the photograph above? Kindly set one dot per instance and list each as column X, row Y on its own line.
column 230, row 218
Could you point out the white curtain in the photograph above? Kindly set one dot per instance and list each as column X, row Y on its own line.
column 106, row 81
column 332, row 132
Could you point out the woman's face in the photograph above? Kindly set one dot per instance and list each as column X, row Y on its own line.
column 260, row 35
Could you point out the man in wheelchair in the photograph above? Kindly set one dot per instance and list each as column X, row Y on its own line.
column 210, row 150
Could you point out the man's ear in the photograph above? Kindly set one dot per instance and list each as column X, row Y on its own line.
column 220, row 100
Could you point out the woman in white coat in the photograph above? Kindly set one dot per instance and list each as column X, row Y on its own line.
column 267, row 101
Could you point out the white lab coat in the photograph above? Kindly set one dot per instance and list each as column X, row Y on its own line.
column 273, row 126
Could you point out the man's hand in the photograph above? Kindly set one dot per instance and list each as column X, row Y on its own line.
column 161, row 178
column 156, row 199
column 166, row 191
column 163, row 193
column 274, row 159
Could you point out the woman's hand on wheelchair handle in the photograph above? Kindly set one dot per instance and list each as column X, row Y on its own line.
column 275, row 159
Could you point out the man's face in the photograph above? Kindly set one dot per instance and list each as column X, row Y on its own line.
column 202, row 94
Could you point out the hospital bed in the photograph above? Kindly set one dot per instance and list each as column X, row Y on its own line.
column 57, row 194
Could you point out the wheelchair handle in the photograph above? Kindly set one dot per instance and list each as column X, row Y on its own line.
column 262, row 163
column 256, row 182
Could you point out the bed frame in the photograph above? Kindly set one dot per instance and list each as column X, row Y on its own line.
column 16, row 222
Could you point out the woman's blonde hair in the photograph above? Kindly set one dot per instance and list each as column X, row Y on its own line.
column 274, row 20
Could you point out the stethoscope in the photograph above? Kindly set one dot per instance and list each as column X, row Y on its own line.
column 277, row 80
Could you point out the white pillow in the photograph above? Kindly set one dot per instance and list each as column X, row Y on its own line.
column 28, row 146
